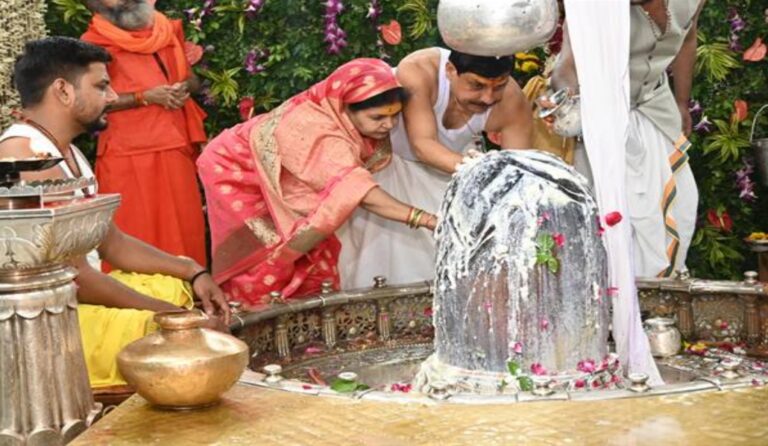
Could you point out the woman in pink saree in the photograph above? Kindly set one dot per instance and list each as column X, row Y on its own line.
column 279, row 185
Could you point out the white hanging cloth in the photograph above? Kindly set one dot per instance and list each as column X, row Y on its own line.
column 600, row 44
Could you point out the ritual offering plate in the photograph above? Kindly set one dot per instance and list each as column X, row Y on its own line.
column 10, row 168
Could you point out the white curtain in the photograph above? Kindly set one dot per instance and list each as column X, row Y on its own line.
column 600, row 43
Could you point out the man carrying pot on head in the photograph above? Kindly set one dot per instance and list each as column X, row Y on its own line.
column 455, row 97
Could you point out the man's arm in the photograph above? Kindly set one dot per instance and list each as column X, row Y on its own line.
column 97, row 288
column 130, row 254
column 682, row 72
column 421, row 122
column 512, row 118
column 564, row 72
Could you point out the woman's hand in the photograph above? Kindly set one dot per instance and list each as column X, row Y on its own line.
column 428, row 221
column 213, row 299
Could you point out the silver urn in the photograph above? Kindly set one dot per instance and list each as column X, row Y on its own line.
column 496, row 27
column 45, row 395
column 663, row 336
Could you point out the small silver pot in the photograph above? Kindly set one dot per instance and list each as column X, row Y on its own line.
column 663, row 336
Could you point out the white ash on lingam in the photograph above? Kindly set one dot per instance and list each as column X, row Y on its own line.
column 520, row 287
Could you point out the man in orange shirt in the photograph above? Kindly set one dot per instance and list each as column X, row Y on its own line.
column 148, row 152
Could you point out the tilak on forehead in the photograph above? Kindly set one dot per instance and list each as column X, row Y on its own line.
column 389, row 109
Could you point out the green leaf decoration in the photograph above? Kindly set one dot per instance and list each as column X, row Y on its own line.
column 513, row 367
column 223, row 84
column 714, row 59
column 545, row 242
column 73, row 11
column 422, row 17
column 727, row 143
column 545, row 252
column 347, row 386
column 525, row 383
column 553, row 264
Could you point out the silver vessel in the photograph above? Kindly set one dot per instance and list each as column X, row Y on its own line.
column 45, row 395
column 496, row 27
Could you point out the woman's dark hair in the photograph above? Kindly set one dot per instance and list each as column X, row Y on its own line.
column 397, row 94
column 488, row 67
column 45, row 60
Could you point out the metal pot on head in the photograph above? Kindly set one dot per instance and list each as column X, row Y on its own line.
column 760, row 148
column 496, row 27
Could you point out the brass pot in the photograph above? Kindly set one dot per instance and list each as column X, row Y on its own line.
column 183, row 366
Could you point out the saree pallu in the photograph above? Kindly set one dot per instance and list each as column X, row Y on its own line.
column 279, row 185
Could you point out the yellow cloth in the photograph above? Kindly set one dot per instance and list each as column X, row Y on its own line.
column 105, row 331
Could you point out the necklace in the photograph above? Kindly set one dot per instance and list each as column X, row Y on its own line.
column 66, row 152
column 655, row 28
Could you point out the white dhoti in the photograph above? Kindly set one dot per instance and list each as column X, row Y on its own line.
column 662, row 197
column 373, row 246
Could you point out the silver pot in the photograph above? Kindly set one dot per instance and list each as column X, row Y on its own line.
column 760, row 148
column 566, row 111
column 496, row 27
column 663, row 336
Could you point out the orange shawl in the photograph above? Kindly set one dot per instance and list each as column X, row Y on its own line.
column 102, row 32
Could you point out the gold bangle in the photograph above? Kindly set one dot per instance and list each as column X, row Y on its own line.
column 414, row 223
column 410, row 215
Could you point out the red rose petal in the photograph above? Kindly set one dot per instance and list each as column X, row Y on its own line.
column 613, row 218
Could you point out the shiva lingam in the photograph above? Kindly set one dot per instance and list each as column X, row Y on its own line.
column 45, row 396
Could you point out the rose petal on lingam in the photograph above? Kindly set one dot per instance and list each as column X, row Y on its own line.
column 613, row 218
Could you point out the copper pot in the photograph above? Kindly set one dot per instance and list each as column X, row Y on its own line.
column 183, row 366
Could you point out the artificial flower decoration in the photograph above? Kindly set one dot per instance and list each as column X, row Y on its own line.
column 704, row 125
column 559, row 239
column 740, row 110
column 744, row 182
column 392, row 33
column 527, row 62
column 613, row 218
column 335, row 37
column 193, row 52
column 246, row 107
column 719, row 219
column 756, row 52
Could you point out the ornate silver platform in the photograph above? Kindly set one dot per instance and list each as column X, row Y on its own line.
column 45, row 396
column 383, row 333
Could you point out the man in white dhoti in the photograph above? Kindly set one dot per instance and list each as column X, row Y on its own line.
column 454, row 98
column 620, row 66
column 661, row 191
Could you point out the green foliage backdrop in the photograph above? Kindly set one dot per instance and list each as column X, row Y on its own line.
column 288, row 52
